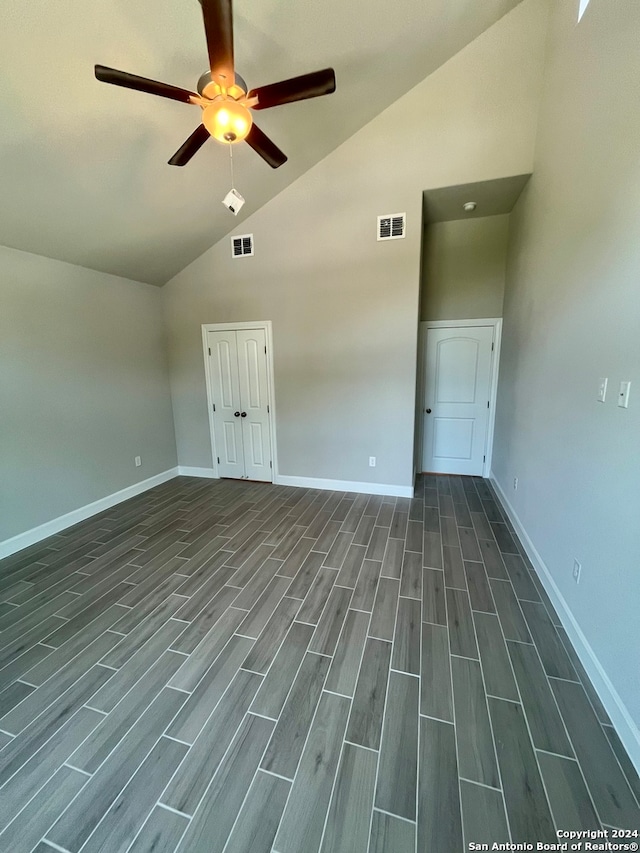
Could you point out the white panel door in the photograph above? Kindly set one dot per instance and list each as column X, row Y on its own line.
column 458, row 384
column 225, row 383
column 241, row 419
column 252, row 368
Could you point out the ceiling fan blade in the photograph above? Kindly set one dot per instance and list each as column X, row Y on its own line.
column 190, row 146
column 218, row 27
column 142, row 84
column 296, row 89
column 267, row 149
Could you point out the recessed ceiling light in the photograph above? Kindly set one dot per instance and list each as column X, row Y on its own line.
column 470, row 206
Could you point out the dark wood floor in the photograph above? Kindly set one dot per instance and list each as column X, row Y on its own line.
column 222, row 665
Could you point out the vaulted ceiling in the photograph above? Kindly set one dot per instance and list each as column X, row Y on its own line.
column 83, row 166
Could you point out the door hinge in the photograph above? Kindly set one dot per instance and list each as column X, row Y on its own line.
column 209, row 350
column 484, row 458
column 218, row 460
column 488, row 401
column 267, row 408
column 492, row 347
column 214, row 407
column 270, row 464
column 265, row 350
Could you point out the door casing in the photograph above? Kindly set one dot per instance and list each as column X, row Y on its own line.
column 496, row 323
column 226, row 327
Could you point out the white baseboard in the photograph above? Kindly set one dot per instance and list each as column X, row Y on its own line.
column 345, row 486
column 609, row 696
column 49, row 528
column 208, row 473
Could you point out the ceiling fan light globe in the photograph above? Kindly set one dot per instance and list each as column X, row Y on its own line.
column 227, row 120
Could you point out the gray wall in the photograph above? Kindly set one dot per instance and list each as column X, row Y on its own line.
column 463, row 268
column 572, row 315
column 345, row 307
column 83, row 388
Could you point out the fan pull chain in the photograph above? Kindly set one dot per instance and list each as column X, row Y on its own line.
column 233, row 201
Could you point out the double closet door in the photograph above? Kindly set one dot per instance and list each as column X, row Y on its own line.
column 240, row 403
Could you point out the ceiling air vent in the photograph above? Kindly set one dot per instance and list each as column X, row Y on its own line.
column 392, row 226
column 242, row 246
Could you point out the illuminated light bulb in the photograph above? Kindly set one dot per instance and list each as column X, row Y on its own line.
column 227, row 120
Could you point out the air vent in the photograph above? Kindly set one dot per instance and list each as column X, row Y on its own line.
column 242, row 246
column 391, row 226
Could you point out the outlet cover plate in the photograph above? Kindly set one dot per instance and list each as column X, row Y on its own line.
column 623, row 396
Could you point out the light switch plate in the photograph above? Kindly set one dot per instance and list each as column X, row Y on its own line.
column 577, row 571
column 602, row 390
column 623, row 396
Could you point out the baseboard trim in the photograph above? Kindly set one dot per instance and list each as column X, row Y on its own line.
column 345, row 486
column 49, row 528
column 609, row 696
column 207, row 473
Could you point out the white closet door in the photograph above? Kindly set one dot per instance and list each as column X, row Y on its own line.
column 458, row 381
column 227, row 420
column 252, row 368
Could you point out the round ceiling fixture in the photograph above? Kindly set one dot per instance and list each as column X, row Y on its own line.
column 469, row 206
column 227, row 120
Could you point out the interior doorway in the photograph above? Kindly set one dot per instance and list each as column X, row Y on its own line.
column 459, row 381
column 239, row 373
column 463, row 276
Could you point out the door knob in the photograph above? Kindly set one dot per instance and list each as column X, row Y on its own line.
column 428, row 411
column 243, row 415
column 236, row 414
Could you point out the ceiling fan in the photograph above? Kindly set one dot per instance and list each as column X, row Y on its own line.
column 223, row 95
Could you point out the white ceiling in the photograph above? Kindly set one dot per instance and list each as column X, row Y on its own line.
column 83, row 166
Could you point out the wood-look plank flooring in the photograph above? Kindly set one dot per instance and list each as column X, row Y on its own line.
column 247, row 668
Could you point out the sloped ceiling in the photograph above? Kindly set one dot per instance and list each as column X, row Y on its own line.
column 83, row 166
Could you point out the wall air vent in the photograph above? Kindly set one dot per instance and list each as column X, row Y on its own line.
column 242, row 246
column 391, row 226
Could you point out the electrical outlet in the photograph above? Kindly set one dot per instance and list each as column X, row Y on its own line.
column 577, row 569
column 623, row 395
column 515, row 484
column 372, row 462
column 138, row 461
column 602, row 390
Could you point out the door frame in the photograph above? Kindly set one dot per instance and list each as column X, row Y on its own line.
column 266, row 325
column 425, row 325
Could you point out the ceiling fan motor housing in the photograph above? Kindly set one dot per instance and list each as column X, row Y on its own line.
column 208, row 89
